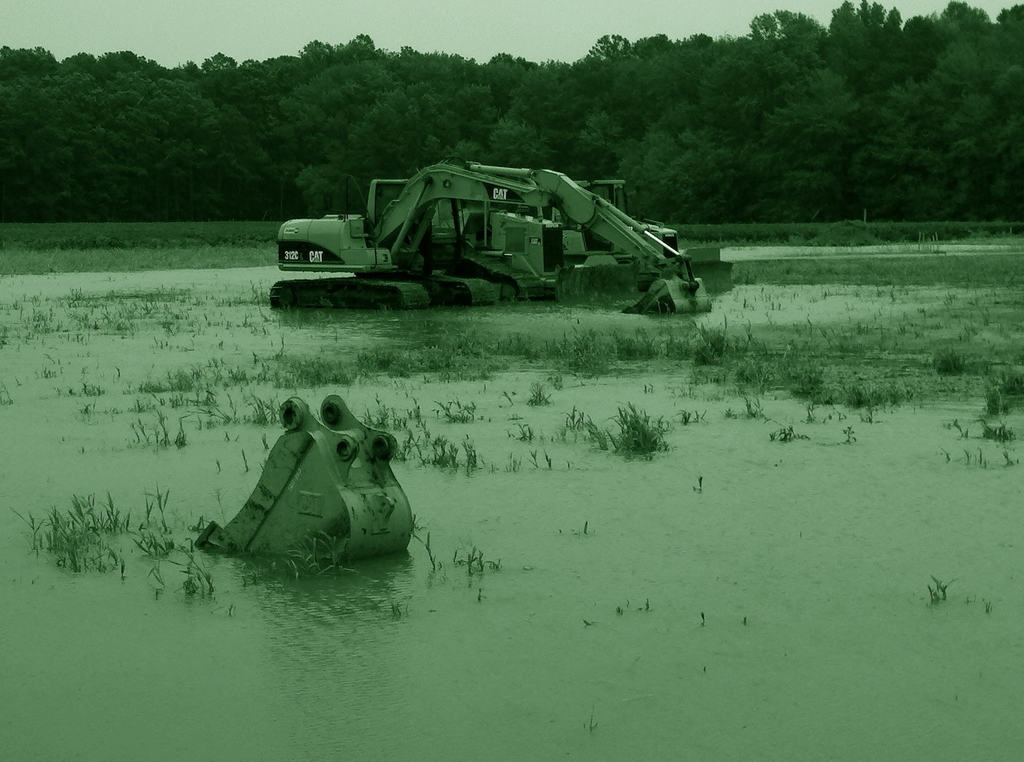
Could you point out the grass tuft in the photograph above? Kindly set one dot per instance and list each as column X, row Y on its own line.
column 949, row 362
column 711, row 345
column 999, row 433
column 639, row 434
column 538, row 395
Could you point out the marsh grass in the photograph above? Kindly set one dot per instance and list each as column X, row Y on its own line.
column 289, row 372
column 1003, row 391
column 998, row 433
column 539, row 395
column 434, row 563
column 585, row 352
column 753, row 407
column 386, row 361
column 949, row 361
column 807, row 380
column 152, row 543
column 686, row 417
column 320, row 553
column 786, row 434
column 198, row 581
column 640, row 345
column 180, row 439
column 874, row 394
column 712, row 344
column 812, row 362
column 639, row 435
column 385, row 417
column 474, row 561
column 525, row 433
column 441, row 453
column 262, row 412
column 757, row 373
column 79, row 537
column 179, row 380
column 155, row 434
column 90, row 535
column 472, row 462
column 937, row 594
column 456, row 411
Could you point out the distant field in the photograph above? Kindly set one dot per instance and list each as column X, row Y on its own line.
column 975, row 270
column 845, row 233
column 132, row 246
column 128, row 235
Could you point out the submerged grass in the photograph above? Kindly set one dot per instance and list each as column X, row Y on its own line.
column 78, row 537
column 320, row 553
column 822, row 367
column 90, row 536
column 1003, row 391
column 639, row 435
column 949, row 361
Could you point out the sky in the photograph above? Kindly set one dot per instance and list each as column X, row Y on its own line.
column 173, row 32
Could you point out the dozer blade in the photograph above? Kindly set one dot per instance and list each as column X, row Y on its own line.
column 600, row 278
column 715, row 272
column 603, row 279
column 323, row 481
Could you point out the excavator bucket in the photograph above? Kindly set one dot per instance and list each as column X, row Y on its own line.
column 322, row 480
column 673, row 294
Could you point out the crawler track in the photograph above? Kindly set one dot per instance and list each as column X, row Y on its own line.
column 397, row 294
column 349, row 293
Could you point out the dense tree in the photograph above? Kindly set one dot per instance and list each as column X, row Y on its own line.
column 922, row 119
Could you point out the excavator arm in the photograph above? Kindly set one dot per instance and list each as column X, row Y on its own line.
column 601, row 217
column 534, row 188
column 406, row 215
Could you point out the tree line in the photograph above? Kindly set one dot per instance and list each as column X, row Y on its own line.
column 921, row 119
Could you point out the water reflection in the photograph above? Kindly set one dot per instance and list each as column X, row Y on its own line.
column 311, row 600
column 334, row 644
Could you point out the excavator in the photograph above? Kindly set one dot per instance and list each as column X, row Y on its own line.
column 463, row 233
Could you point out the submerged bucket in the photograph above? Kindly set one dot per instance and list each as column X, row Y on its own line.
column 673, row 295
column 329, row 480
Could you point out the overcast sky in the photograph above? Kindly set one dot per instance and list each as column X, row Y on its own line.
column 175, row 31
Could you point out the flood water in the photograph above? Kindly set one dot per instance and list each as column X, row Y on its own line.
column 736, row 597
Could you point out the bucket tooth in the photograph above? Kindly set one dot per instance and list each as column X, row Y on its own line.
column 329, row 478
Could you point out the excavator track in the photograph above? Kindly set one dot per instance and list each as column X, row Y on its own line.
column 349, row 293
column 510, row 285
column 448, row 290
column 397, row 294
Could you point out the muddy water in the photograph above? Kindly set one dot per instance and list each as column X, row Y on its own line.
column 773, row 595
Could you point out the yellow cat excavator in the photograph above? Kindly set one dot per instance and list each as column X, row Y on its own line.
column 467, row 233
